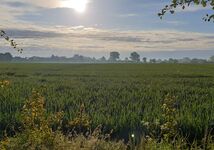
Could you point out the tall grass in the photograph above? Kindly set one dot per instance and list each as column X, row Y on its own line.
column 120, row 97
column 42, row 132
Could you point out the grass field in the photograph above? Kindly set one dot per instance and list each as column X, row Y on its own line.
column 118, row 96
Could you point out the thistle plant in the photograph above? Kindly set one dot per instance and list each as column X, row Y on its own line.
column 81, row 122
column 4, row 83
column 169, row 125
column 37, row 130
column 163, row 130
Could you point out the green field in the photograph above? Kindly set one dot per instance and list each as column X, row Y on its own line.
column 118, row 96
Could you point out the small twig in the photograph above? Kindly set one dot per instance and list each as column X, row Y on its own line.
column 11, row 41
column 186, row 3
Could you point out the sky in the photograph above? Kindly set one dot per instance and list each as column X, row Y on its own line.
column 97, row 27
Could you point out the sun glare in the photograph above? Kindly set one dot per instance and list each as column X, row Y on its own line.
column 77, row 5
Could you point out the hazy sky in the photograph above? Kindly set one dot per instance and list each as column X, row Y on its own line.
column 96, row 27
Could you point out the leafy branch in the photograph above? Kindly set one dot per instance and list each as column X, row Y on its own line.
column 11, row 41
column 186, row 3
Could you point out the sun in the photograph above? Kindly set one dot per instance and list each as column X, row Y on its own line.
column 77, row 5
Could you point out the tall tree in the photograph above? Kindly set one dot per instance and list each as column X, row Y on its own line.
column 114, row 56
column 186, row 3
column 6, row 57
column 211, row 59
column 152, row 60
column 102, row 59
column 144, row 60
column 135, row 57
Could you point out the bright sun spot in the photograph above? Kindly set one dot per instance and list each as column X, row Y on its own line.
column 77, row 5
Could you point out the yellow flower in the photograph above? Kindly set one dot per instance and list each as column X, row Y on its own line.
column 4, row 83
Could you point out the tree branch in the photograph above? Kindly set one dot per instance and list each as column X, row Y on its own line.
column 186, row 3
column 11, row 41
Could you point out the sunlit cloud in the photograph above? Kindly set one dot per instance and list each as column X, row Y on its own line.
column 69, row 39
column 47, row 27
column 77, row 5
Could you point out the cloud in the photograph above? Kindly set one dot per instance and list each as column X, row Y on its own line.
column 78, row 39
column 121, row 39
column 128, row 15
column 36, row 3
column 11, row 10
column 90, row 47
column 17, row 10
column 42, row 28
column 175, row 22
column 24, row 34
column 16, row 4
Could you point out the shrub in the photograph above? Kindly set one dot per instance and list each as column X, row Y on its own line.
column 37, row 132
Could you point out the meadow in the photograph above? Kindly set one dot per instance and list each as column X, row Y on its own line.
column 118, row 96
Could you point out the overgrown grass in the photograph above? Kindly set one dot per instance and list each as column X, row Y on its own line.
column 37, row 132
column 119, row 96
column 40, row 131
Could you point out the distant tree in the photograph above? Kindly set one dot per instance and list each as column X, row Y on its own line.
column 211, row 59
column 159, row 61
column 19, row 59
column 102, row 59
column 185, row 60
column 171, row 60
column 135, row 57
column 152, row 60
column 126, row 59
column 198, row 61
column 144, row 60
column 77, row 58
column 114, row 56
column 185, row 3
column 6, row 57
column 54, row 58
column 94, row 59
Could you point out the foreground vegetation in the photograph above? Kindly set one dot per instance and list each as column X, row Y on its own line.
column 170, row 106
column 41, row 132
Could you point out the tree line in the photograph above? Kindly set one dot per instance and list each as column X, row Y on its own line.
column 114, row 57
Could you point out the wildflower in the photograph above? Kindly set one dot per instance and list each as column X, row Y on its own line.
column 164, row 106
column 146, row 124
column 4, row 83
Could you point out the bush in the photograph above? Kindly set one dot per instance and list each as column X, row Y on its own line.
column 37, row 132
